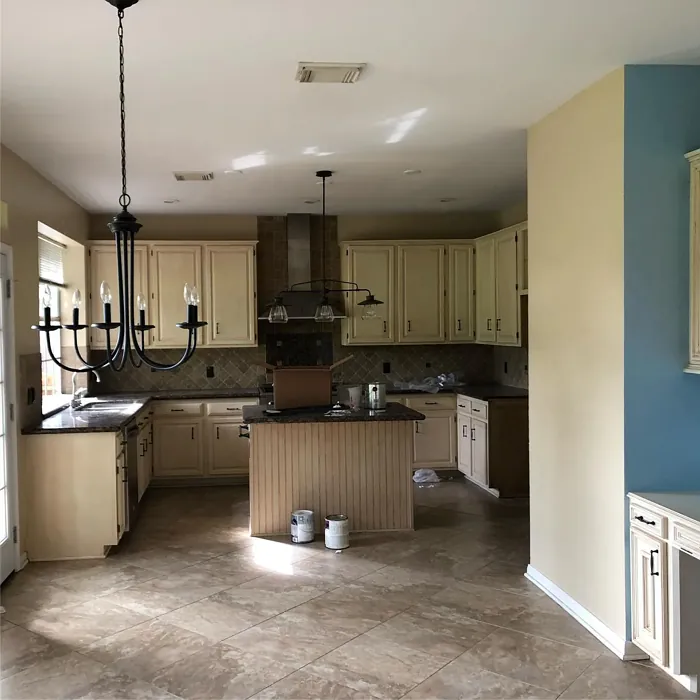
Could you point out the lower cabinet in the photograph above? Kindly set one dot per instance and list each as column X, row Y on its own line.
column 649, row 570
column 433, row 440
column 480, row 454
column 144, row 464
column 464, row 444
column 229, row 452
column 177, row 448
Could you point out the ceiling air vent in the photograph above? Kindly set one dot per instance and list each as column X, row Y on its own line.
column 309, row 72
column 193, row 175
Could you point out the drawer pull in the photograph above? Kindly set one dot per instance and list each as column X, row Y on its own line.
column 233, row 409
column 642, row 519
column 177, row 410
column 461, row 405
column 431, row 403
column 476, row 410
column 651, row 562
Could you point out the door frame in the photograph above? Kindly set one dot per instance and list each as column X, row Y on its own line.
column 12, row 430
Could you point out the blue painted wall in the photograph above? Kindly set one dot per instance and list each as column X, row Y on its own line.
column 662, row 404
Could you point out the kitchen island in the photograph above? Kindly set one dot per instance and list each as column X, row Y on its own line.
column 358, row 463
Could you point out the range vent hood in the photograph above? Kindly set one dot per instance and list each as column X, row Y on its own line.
column 301, row 305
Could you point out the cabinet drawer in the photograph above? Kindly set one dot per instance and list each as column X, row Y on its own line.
column 231, row 408
column 431, row 403
column 396, row 398
column 687, row 538
column 178, row 408
column 480, row 409
column 648, row 520
column 464, row 404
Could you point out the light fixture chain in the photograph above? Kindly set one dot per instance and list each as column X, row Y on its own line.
column 125, row 199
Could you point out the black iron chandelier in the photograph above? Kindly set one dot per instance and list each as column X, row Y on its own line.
column 131, row 339
column 324, row 311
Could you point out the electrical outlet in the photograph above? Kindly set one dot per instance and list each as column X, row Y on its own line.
column 386, row 367
column 428, row 365
column 210, row 371
column 505, row 368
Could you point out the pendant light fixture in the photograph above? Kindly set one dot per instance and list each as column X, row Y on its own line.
column 131, row 337
column 324, row 311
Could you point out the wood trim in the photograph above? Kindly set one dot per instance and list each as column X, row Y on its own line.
column 362, row 470
column 694, row 364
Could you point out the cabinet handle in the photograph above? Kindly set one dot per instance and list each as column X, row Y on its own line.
column 177, row 410
column 385, row 326
column 651, row 562
column 143, row 450
column 233, row 409
column 125, row 471
column 498, row 324
column 476, row 410
column 417, row 431
column 459, row 324
column 217, row 432
column 431, row 403
column 461, row 405
column 642, row 519
column 473, row 437
column 193, row 433
column 409, row 326
column 217, row 328
column 464, row 431
column 488, row 324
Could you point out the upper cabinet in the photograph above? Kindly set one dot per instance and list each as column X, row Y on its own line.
column 224, row 274
column 694, row 364
column 499, row 268
column 103, row 268
column 421, row 293
column 230, row 283
column 371, row 267
column 460, row 293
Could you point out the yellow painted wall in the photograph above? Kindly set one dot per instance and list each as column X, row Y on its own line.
column 575, row 207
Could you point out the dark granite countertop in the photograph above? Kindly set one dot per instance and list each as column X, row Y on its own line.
column 393, row 412
column 492, row 391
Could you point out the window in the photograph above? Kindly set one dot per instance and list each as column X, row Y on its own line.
column 50, row 286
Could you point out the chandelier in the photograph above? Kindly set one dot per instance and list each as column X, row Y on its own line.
column 324, row 311
column 131, row 338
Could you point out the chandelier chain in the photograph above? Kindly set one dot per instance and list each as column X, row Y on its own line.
column 124, row 199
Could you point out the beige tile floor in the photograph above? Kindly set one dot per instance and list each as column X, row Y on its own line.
column 192, row 607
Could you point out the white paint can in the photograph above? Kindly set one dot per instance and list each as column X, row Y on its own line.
column 337, row 532
column 302, row 526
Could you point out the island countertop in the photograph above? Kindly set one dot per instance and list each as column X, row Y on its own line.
column 393, row 412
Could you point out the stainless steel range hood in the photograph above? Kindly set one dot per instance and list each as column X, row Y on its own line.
column 301, row 305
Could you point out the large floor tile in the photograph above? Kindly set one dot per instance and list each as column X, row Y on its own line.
column 28, row 602
column 609, row 678
column 220, row 672
column 85, row 623
column 142, row 651
column 337, row 568
column 506, row 576
column 412, row 586
column 301, row 685
column 376, row 667
column 532, row 660
column 114, row 685
column 104, row 580
column 21, row 649
column 465, row 678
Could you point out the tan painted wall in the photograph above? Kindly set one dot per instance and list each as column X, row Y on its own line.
column 575, row 202
column 214, row 227
column 414, row 226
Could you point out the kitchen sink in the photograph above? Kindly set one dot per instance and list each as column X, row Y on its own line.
column 105, row 406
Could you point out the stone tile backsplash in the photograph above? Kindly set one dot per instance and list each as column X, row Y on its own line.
column 516, row 361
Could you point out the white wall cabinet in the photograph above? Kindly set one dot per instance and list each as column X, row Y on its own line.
column 371, row 267
column 507, row 296
column 694, row 363
column 103, row 267
column 485, row 290
column 460, row 293
column 421, row 293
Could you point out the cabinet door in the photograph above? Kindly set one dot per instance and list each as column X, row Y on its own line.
column 177, row 448
column 434, row 440
column 228, row 451
column 485, row 290
column 460, row 295
column 507, row 295
column 480, row 452
column 371, row 267
column 464, row 444
column 144, row 463
column 421, row 294
column 171, row 266
column 103, row 267
column 121, row 485
column 231, row 301
column 649, row 602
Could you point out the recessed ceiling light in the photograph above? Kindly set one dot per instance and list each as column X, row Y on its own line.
column 412, row 171
column 171, row 201
column 445, row 200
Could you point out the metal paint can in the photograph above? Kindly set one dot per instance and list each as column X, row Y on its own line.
column 302, row 526
column 337, row 532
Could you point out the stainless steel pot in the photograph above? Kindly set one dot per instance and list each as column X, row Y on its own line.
column 374, row 396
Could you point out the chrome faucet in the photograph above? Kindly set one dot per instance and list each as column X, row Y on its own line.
column 79, row 393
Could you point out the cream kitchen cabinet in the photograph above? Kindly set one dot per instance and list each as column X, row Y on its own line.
column 435, row 438
column 177, row 448
column 370, row 267
column 230, row 282
column 464, row 444
column 460, row 293
column 229, row 451
column 694, row 363
column 486, row 290
column 103, row 268
column 145, row 455
column 421, row 285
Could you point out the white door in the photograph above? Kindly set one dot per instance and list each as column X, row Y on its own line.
column 7, row 452
column 460, row 314
column 649, row 572
column 421, row 294
column 464, row 444
column 480, row 453
column 507, row 295
column 232, row 308
column 485, row 290
column 371, row 267
column 229, row 453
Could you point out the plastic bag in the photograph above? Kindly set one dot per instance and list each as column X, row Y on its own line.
column 425, row 476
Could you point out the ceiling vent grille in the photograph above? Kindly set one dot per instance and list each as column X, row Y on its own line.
column 193, row 175
column 309, row 72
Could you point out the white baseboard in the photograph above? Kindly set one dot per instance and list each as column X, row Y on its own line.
column 23, row 561
column 627, row 651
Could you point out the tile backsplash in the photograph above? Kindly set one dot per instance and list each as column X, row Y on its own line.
column 510, row 366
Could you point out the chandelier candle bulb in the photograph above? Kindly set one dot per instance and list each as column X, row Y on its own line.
column 141, row 302
column 77, row 301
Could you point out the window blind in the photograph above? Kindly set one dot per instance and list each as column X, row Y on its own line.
column 50, row 261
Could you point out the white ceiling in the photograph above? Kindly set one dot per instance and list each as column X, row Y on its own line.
column 209, row 81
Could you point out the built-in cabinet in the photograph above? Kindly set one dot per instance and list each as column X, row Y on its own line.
column 145, row 453
column 460, row 293
column 694, row 363
column 492, row 444
column 224, row 274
